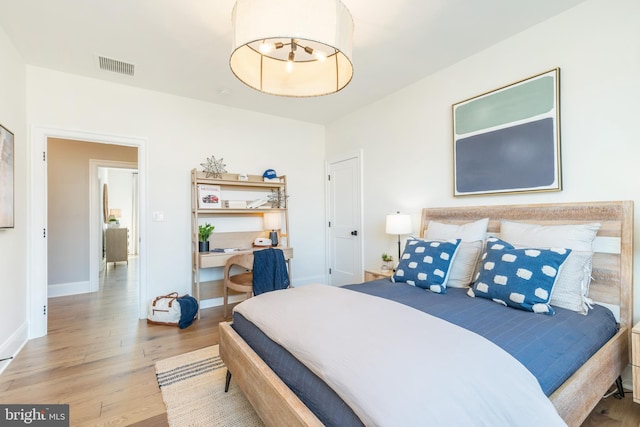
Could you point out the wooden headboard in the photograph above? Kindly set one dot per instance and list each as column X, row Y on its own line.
column 612, row 274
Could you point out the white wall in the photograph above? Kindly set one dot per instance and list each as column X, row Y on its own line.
column 13, row 242
column 407, row 137
column 121, row 195
column 181, row 134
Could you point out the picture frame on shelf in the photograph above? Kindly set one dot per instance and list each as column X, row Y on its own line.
column 209, row 196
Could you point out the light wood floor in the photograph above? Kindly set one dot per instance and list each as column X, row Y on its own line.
column 99, row 358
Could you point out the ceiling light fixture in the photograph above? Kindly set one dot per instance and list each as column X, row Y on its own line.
column 266, row 38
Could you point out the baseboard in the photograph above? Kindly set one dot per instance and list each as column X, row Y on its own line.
column 63, row 289
column 218, row 302
column 309, row 280
column 12, row 346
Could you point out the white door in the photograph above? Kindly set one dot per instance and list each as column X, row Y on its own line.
column 345, row 218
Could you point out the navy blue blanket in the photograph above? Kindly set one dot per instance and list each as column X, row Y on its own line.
column 269, row 271
column 551, row 347
column 188, row 310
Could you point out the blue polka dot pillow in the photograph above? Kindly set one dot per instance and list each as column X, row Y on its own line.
column 426, row 263
column 518, row 278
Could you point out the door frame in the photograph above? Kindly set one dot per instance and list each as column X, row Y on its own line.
column 357, row 155
column 95, row 250
column 37, row 248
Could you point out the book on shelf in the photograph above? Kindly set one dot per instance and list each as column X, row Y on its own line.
column 258, row 203
column 234, row 204
column 208, row 196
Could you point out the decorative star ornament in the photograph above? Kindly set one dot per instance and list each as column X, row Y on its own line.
column 214, row 168
column 277, row 199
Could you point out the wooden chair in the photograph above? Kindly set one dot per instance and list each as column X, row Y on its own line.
column 242, row 282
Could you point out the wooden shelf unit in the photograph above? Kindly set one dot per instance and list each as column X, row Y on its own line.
column 231, row 239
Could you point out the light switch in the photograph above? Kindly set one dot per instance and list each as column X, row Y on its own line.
column 158, row 216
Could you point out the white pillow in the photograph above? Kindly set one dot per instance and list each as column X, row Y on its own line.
column 472, row 235
column 572, row 287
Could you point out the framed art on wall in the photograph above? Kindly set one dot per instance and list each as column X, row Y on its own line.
column 508, row 140
column 6, row 178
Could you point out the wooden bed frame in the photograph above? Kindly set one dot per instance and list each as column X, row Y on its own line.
column 612, row 284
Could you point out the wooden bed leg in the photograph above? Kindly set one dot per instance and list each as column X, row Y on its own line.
column 620, row 393
column 227, row 381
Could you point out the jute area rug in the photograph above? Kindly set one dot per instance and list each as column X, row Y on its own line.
column 192, row 386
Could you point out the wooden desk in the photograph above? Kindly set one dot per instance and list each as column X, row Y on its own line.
column 219, row 259
column 215, row 288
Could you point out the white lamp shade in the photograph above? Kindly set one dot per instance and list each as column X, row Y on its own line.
column 325, row 26
column 272, row 221
column 398, row 224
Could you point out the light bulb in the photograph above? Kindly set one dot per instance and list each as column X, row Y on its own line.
column 321, row 56
column 266, row 47
column 290, row 61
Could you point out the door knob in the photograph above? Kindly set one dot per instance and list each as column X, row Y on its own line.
column 354, row 233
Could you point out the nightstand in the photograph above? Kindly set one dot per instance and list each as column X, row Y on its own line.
column 370, row 275
column 635, row 361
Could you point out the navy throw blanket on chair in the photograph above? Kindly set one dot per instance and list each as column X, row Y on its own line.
column 269, row 271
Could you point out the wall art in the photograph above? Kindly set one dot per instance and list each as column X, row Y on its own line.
column 508, row 140
column 7, row 214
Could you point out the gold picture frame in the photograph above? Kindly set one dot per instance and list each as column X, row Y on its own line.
column 508, row 140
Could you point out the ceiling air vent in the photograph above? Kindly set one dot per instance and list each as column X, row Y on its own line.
column 115, row 66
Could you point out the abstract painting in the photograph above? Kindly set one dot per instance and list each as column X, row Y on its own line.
column 508, row 140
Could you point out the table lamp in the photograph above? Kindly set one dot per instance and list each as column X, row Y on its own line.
column 273, row 222
column 114, row 216
column 398, row 224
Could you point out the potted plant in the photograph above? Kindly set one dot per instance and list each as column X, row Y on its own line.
column 386, row 262
column 204, row 233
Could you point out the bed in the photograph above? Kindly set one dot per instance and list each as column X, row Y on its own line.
column 574, row 398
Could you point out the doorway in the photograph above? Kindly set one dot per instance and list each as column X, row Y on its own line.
column 117, row 197
column 38, row 220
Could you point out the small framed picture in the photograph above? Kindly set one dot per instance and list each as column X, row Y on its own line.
column 209, row 197
column 6, row 179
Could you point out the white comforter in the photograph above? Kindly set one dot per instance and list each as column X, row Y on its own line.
column 396, row 366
